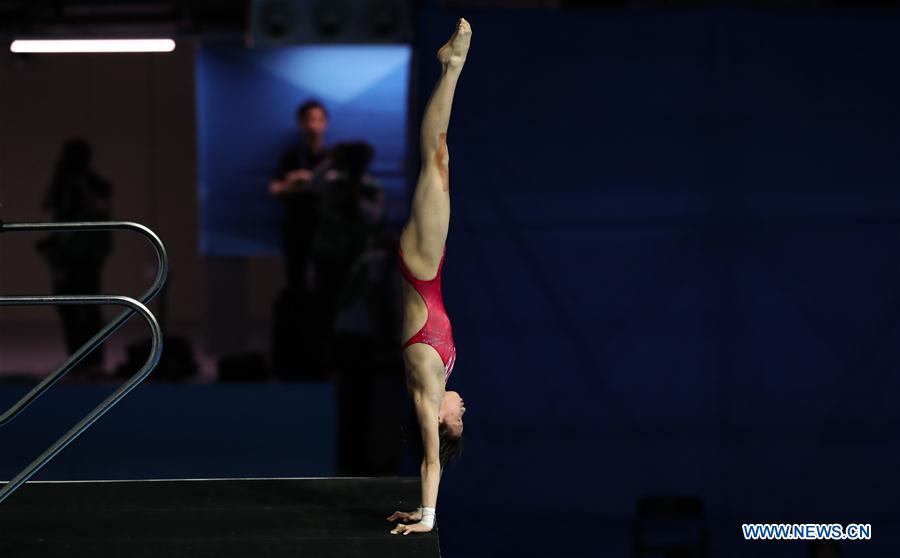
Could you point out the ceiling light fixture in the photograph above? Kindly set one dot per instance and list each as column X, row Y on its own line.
column 91, row 45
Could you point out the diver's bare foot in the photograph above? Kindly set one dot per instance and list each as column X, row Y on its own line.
column 453, row 53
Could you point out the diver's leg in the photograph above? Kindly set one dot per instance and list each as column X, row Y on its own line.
column 423, row 237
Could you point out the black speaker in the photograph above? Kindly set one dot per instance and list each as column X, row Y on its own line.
column 293, row 22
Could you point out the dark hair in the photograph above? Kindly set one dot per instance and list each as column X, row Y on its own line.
column 307, row 106
column 451, row 445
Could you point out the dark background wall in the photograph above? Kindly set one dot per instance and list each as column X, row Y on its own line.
column 138, row 112
column 671, row 268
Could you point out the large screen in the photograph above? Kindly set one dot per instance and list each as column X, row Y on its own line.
column 246, row 104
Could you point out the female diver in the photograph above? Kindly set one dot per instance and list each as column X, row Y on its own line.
column 429, row 353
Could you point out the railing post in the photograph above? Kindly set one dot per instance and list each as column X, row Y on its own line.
column 131, row 305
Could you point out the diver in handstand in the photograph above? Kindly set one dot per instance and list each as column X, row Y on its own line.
column 429, row 353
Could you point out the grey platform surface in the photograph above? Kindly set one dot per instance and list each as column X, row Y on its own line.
column 328, row 517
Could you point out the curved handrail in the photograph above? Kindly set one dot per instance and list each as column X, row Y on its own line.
column 90, row 418
column 112, row 326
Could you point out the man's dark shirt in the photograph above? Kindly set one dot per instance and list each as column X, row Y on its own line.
column 301, row 214
column 298, row 205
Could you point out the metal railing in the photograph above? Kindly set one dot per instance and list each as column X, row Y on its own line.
column 132, row 307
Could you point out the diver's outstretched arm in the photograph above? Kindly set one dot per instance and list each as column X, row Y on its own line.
column 430, row 470
column 423, row 237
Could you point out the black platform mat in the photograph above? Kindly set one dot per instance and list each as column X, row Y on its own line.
column 336, row 517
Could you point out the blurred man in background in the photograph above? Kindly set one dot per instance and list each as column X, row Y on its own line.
column 298, row 168
column 297, row 349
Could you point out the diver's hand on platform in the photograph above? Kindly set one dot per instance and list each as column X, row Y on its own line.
column 406, row 516
column 411, row 528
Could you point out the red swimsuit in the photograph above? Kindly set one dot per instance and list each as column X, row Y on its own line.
column 436, row 331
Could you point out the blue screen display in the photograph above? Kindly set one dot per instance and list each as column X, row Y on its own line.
column 246, row 102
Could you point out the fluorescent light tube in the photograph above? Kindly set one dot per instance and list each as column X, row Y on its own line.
column 92, row 45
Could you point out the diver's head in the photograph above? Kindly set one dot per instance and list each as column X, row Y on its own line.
column 450, row 426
